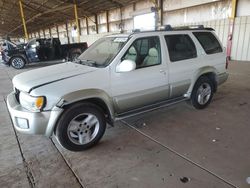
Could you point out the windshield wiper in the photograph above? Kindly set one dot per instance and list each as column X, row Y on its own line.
column 88, row 63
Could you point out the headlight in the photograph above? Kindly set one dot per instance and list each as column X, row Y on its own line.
column 35, row 104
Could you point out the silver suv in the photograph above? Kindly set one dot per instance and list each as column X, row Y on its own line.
column 117, row 77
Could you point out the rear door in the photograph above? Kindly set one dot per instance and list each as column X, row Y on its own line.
column 183, row 62
column 148, row 83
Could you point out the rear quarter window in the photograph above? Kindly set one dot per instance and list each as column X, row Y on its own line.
column 209, row 42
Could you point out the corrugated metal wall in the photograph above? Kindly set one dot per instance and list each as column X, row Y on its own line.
column 241, row 35
column 241, row 39
column 221, row 28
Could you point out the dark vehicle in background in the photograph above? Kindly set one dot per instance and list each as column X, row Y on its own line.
column 37, row 50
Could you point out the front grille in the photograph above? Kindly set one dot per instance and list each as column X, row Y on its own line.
column 17, row 93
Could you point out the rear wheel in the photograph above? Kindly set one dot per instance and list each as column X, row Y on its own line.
column 81, row 127
column 17, row 62
column 202, row 93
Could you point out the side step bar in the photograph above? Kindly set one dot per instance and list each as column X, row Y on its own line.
column 149, row 108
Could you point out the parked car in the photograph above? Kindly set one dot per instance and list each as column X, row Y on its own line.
column 37, row 50
column 117, row 77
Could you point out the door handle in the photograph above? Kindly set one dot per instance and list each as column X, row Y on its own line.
column 162, row 71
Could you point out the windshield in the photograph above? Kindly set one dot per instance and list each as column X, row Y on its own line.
column 10, row 45
column 102, row 52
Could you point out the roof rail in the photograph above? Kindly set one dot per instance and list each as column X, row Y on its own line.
column 190, row 27
column 136, row 30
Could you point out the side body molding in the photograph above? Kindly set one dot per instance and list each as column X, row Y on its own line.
column 88, row 94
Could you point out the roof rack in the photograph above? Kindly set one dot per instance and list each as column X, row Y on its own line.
column 190, row 27
column 136, row 30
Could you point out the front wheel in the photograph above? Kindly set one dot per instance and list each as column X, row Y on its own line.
column 202, row 93
column 17, row 62
column 81, row 127
column 74, row 56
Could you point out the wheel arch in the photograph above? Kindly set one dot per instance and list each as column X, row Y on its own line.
column 19, row 55
column 94, row 96
column 208, row 71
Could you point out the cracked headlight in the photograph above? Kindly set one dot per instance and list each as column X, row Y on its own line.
column 35, row 104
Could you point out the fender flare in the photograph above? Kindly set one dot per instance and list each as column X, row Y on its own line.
column 197, row 75
column 88, row 95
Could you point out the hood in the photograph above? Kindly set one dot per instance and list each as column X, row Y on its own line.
column 35, row 78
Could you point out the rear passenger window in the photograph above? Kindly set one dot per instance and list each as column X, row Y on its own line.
column 180, row 47
column 209, row 42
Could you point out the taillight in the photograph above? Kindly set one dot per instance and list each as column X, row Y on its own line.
column 227, row 62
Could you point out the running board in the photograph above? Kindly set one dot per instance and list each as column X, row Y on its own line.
column 149, row 108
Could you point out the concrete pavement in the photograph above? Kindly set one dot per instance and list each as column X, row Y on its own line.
column 176, row 146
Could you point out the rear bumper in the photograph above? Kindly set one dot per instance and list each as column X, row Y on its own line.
column 222, row 78
column 32, row 122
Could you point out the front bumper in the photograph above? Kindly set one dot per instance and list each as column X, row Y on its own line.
column 32, row 122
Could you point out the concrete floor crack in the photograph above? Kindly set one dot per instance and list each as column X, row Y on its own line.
column 178, row 154
column 67, row 163
column 28, row 171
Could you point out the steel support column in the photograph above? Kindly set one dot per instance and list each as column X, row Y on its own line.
column 77, row 21
column 67, row 32
column 107, row 20
column 23, row 20
column 96, row 24
column 231, row 28
column 161, row 12
column 87, row 25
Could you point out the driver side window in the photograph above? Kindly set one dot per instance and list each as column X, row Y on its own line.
column 144, row 52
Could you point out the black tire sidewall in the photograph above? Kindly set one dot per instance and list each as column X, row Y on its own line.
column 194, row 96
column 68, row 115
column 73, row 55
column 11, row 62
column 74, row 52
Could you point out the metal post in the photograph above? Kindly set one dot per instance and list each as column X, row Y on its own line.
column 50, row 35
column 231, row 28
column 161, row 12
column 57, row 31
column 67, row 32
column 23, row 20
column 87, row 25
column 107, row 20
column 234, row 7
column 44, row 34
column 96, row 24
column 77, row 21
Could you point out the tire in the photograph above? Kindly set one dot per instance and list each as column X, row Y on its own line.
column 17, row 62
column 74, row 54
column 202, row 93
column 81, row 127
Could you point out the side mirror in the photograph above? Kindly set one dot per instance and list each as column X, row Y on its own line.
column 126, row 66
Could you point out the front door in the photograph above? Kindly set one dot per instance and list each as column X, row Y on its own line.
column 145, row 85
column 31, row 51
